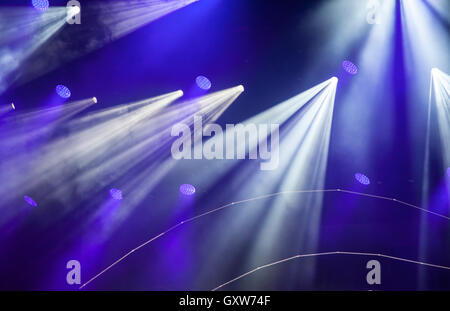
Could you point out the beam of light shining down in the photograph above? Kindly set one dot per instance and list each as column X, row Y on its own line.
column 23, row 31
column 124, row 17
column 29, row 126
column 118, row 18
column 344, row 29
column 441, row 90
column 441, row 8
column 67, row 155
column 304, row 144
column 374, row 56
column 426, row 37
column 439, row 102
column 130, row 151
column 305, row 126
column 25, row 140
column 91, row 147
column 153, row 141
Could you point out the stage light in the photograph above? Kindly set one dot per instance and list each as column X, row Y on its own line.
column 349, row 67
column 94, row 99
column 203, row 82
column 40, row 5
column 30, row 201
column 241, row 88
column 187, row 189
column 13, row 106
column 123, row 17
column 63, row 91
column 363, row 179
column 116, row 194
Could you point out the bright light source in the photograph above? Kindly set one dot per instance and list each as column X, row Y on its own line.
column 334, row 80
column 349, row 67
column 241, row 88
column 13, row 107
column 187, row 189
column 94, row 99
column 116, row 194
column 203, row 82
column 30, row 201
column 363, row 179
column 63, row 91
column 40, row 5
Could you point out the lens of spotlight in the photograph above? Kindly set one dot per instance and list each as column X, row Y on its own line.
column 13, row 107
column 187, row 189
column 30, row 201
column 362, row 179
column 40, row 5
column 349, row 67
column 203, row 82
column 94, row 99
column 116, row 194
column 63, row 91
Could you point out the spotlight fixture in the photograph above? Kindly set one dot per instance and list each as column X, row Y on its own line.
column 241, row 88
column 30, row 201
column 40, row 5
column 362, row 179
column 187, row 189
column 349, row 67
column 116, row 194
column 203, row 82
column 63, row 91
column 13, row 107
column 94, row 99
